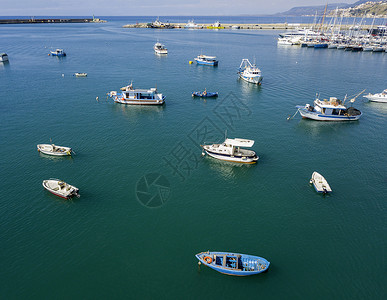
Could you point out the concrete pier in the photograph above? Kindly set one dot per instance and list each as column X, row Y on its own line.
column 273, row 26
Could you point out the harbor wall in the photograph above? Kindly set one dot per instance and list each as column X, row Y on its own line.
column 273, row 26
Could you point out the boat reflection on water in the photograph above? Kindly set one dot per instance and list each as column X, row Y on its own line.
column 378, row 109
column 56, row 158
column 4, row 64
column 137, row 111
column 229, row 170
column 322, row 128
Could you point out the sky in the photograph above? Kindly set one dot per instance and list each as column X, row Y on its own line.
column 152, row 7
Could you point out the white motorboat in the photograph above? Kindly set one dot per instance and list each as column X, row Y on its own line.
column 230, row 150
column 329, row 110
column 51, row 149
column 250, row 72
column 320, row 183
column 80, row 74
column 379, row 97
column 60, row 188
column 132, row 96
column 284, row 41
column 300, row 33
column 191, row 25
column 3, row 57
column 160, row 48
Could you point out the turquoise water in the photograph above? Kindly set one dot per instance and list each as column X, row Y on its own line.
column 117, row 240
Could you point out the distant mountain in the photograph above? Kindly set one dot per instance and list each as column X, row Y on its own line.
column 311, row 10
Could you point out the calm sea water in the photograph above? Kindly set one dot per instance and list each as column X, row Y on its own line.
column 129, row 236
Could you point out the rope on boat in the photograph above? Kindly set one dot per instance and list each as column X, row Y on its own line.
column 289, row 118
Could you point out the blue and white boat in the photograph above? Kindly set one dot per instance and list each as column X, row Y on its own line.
column 329, row 110
column 233, row 263
column 206, row 60
column 205, row 94
column 249, row 72
column 58, row 52
column 132, row 96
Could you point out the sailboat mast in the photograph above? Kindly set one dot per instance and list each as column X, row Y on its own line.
column 322, row 21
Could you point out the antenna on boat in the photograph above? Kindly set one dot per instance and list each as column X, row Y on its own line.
column 225, row 134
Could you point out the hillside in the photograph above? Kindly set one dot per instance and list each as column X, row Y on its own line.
column 370, row 7
column 367, row 8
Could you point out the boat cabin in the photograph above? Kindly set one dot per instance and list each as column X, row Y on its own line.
column 139, row 94
column 207, row 58
column 333, row 106
column 3, row 57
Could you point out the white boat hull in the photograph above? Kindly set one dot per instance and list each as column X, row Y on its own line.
column 377, row 98
column 139, row 102
column 237, row 159
column 60, row 188
column 321, row 117
column 320, row 183
column 161, row 52
column 54, row 150
column 255, row 80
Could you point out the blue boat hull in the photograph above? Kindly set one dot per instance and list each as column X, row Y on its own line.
column 208, row 95
column 208, row 63
column 321, row 46
column 235, row 264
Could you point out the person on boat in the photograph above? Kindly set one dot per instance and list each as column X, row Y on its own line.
column 205, row 92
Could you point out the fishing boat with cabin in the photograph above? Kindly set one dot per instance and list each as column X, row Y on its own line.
column 206, row 60
column 249, row 72
column 230, row 150
column 330, row 110
column 130, row 95
column 58, row 52
column 160, row 48
column 233, row 263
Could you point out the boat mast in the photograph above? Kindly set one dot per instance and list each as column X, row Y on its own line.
column 322, row 21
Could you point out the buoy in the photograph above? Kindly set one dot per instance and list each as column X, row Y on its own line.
column 190, row 62
column 49, row 54
column 97, row 98
column 62, row 75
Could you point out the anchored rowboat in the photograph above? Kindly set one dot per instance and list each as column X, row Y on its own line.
column 60, row 188
column 204, row 94
column 233, row 263
column 51, row 149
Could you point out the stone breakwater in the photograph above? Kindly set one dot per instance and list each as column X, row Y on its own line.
column 273, row 26
column 49, row 20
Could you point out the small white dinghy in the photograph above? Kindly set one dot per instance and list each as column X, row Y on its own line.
column 80, row 74
column 60, row 188
column 51, row 149
column 320, row 183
